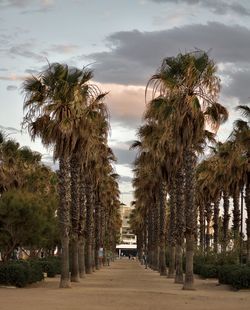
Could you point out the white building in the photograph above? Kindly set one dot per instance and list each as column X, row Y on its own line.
column 127, row 237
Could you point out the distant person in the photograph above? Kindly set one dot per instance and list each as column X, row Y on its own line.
column 144, row 258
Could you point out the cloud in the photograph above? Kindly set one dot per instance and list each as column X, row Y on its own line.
column 133, row 56
column 32, row 71
column 63, row 48
column 15, row 3
column 125, row 103
column 125, row 179
column 25, row 50
column 26, row 3
column 239, row 85
column 11, row 87
column 125, row 156
column 13, row 77
column 219, row 7
column 10, row 129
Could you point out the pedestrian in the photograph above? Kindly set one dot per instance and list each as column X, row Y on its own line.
column 144, row 258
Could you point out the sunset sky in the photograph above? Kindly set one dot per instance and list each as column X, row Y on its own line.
column 124, row 41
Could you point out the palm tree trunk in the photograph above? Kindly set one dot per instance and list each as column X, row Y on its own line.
column 103, row 233
column 247, row 203
column 172, row 229
column 226, row 218
column 179, row 179
column 150, row 233
column 81, row 226
column 89, row 227
column 64, row 219
column 97, row 230
column 216, row 223
column 236, row 217
column 156, row 233
column 208, row 210
column 139, row 235
column 74, row 170
column 81, row 257
column 190, row 214
column 202, row 225
column 162, row 237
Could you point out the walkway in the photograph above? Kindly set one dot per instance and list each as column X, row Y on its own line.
column 125, row 285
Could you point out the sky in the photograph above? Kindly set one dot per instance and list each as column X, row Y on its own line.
column 124, row 42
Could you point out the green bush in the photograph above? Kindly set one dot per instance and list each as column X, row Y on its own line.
column 19, row 273
column 50, row 265
column 36, row 271
column 206, row 270
column 235, row 275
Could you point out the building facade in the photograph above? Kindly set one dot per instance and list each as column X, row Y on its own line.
column 127, row 243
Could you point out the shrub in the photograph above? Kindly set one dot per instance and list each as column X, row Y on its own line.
column 50, row 265
column 19, row 273
column 235, row 275
column 208, row 271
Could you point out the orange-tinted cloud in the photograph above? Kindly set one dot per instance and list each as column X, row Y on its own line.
column 126, row 104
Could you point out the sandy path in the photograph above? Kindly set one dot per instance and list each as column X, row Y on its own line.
column 124, row 285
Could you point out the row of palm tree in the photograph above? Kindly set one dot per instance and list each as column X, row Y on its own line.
column 68, row 112
column 181, row 118
column 225, row 174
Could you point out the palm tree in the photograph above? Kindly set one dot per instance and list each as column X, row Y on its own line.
column 54, row 101
column 241, row 136
column 179, row 180
column 189, row 86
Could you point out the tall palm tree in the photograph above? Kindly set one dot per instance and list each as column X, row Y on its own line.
column 241, row 136
column 189, row 86
column 54, row 101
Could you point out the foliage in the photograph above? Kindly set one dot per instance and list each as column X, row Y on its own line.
column 208, row 265
column 25, row 221
column 235, row 275
column 50, row 265
column 20, row 273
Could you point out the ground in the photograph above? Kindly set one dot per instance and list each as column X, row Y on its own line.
column 124, row 285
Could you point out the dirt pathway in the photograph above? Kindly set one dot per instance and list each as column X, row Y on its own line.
column 125, row 285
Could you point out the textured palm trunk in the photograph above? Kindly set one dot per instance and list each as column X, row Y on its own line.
column 103, row 233
column 156, row 218
column 236, row 217
column 247, row 203
column 190, row 215
column 179, row 179
column 202, row 225
column 139, row 235
column 81, row 257
column 97, row 231
column 162, row 237
column 172, row 229
column 74, row 171
column 150, row 233
column 89, row 227
column 209, row 213
column 93, row 255
column 216, row 223
column 81, row 226
column 226, row 217
column 64, row 218
column 153, row 238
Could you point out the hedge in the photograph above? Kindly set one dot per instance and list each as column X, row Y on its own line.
column 206, row 270
column 50, row 265
column 20, row 273
column 236, row 275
